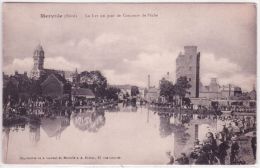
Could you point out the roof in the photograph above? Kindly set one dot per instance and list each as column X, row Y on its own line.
column 122, row 86
column 82, row 92
column 57, row 77
column 152, row 90
column 65, row 74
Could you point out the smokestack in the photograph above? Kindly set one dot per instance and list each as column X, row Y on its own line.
column 168, row 75
column 149, row 81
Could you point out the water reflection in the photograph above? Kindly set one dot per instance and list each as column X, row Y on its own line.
column 34, row 132
column 136, row 134
column 54, row 126
column 89, row 120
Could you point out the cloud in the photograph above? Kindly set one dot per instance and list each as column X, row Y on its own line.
column 155, row 63
column 60, row 63
column 129, row 49
column 20, row 65
column 245, row 81
column 225, row 70
column 106, row 38
column 26, row 64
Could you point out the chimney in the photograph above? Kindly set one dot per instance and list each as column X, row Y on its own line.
column 168, row 75
column 16, row 72
column 149, row 81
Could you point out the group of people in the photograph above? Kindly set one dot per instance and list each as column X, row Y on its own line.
column 222, row 147
column 214, row 151
column 33, row 105
column 236, row 108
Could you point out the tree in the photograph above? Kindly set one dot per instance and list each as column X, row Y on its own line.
column 181, row 87
column 112, row 93
column 95, row 81
column 167, row 89
column 134, row 91
column 11, row 91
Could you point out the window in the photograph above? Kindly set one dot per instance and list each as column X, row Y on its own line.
column 190, row 68
column 189, row 79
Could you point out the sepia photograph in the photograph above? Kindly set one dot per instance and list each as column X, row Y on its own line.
column 129, row 83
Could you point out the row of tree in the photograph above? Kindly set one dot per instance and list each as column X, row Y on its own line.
column 19, row 86
column 172, row 91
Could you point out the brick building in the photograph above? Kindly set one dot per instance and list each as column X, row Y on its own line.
column 188, row 64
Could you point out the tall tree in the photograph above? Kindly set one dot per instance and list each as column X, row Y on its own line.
column 167, row 89
column 134, row 91
column 112, row 93
column 181, row 87
column 95, row 81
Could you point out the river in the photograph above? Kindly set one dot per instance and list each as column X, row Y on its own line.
column 126, row 135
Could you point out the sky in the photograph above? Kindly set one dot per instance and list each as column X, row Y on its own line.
column 126, row 49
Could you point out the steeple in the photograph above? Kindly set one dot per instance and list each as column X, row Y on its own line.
column 38, row 57
column 38, row 62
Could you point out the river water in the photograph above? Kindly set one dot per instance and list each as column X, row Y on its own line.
column 124, row 136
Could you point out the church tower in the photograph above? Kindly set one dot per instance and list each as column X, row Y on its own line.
column 38, row 62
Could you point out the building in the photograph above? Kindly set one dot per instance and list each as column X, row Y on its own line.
column 38, row 69
column 81, row 93
column 252, row 94
column 124, row 88
column 38, row 62
column 188, row 65
column 5, row 80
column 211, row 91
column 17, row 85
column 55, row 86
column 152, row 94
column 216, row 91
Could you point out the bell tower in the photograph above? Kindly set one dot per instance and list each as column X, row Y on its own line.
column 38, row 62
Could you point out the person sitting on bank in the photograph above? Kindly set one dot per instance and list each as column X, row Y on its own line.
column 171, row 162
column 183, row 160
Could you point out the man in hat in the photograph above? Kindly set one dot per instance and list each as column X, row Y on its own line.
column 253, row 144
column 234, row 150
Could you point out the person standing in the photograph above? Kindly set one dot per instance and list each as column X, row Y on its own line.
column 253, row 144
column 171, row 162
column 203, row 158
column 183, row 160
column 230, row 131
column 234, row 151
column 224, row 132
column 222, row 151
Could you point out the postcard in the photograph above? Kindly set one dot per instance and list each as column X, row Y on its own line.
column 129, row 83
